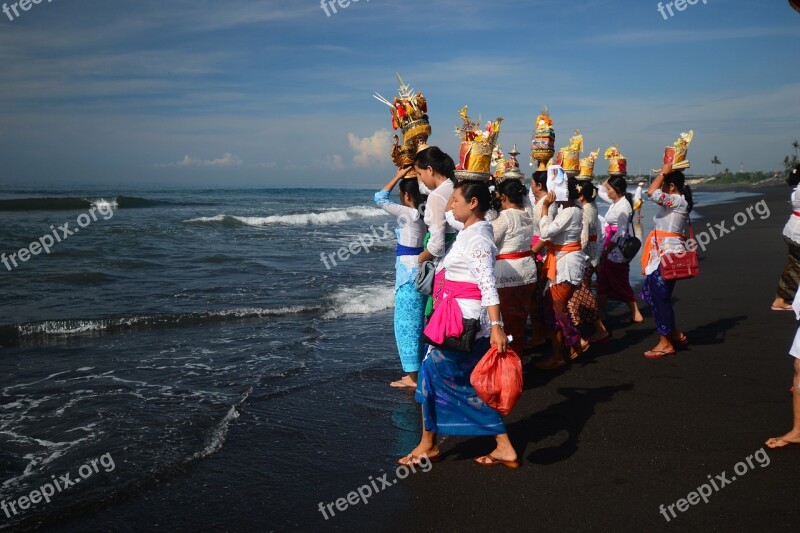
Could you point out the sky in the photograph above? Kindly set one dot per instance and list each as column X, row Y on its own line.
column 268, row 93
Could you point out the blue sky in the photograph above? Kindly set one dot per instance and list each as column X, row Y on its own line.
column 250, row 93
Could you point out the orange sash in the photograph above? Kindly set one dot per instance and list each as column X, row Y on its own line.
column 648, row 245
column 553, row 249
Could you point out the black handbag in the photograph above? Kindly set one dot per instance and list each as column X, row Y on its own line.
column 629, row 245
column 462, row 343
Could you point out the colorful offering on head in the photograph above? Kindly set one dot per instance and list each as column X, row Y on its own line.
column 569, row 156
column 587, row 165
column 477, row 146
column 543, row 142
column 510, row 168
column 617, row 163
column 676, row 154
column 409, row 114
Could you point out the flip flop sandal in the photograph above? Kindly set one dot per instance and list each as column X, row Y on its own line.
column 490, row 460
column 550, row 364
column 412, row 459
column 774, row 308
column 658, row 354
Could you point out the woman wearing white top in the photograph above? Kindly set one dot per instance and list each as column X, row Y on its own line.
column 613, row 274
column 787, row 286
column 670, row 192
column 563, row 267
column 515, row 269
column 409, row 305
column 583, row 305
column 537, row 195
column 450, row 405
column 436, row 171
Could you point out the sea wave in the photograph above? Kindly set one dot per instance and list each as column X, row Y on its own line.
column 80, row 203
column 13, row 335
column 359, row 301
column 325, row 217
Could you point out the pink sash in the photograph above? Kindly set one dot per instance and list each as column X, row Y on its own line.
column 539, row 256
column 611, row 230
column 446, row 320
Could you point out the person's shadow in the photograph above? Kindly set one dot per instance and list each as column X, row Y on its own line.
column 713, row 332
column 569, row 415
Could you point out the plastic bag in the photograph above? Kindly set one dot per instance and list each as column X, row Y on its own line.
column 498, row 379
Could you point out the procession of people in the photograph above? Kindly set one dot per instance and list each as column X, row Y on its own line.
column 513, row 265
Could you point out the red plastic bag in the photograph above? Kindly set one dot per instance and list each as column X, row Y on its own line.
column 498, row 379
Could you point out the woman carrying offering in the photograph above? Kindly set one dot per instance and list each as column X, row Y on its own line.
column 537, row 195
column 670, row 192
column 409, row 305
column 563, row 267
column 436, row 173
column 515, row 269
column 613, row 274
column 450, row 404
column 583, row 304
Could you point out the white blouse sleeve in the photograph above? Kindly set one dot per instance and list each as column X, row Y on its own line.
column 603, row 194
column 398, row 210
column 549, row 228
column 481, row 258
column 437, row 224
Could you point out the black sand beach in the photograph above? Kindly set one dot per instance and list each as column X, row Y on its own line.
column 604, row 443
column 607, row 442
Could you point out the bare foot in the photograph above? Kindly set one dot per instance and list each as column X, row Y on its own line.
column 405, row 382
column 790, row 439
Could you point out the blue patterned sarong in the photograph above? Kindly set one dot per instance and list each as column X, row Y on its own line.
column 657, row 292
column 450, row 404
column 409, row 319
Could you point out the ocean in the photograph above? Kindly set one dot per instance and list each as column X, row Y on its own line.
column 188, row 359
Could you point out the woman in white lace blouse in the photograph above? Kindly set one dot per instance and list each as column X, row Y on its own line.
column 436, row 175
column 515, row 269
column 564, row 267
column 613, row 273
column 450, row 405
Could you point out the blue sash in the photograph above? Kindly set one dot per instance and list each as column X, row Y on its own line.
column 407, row 250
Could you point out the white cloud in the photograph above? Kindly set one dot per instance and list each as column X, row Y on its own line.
column 227, row 160
column 367, row 149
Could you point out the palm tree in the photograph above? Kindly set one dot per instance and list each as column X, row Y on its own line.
column 716, row 162
column 795, row 145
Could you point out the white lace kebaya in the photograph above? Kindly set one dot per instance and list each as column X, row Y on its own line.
column 471, row 259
